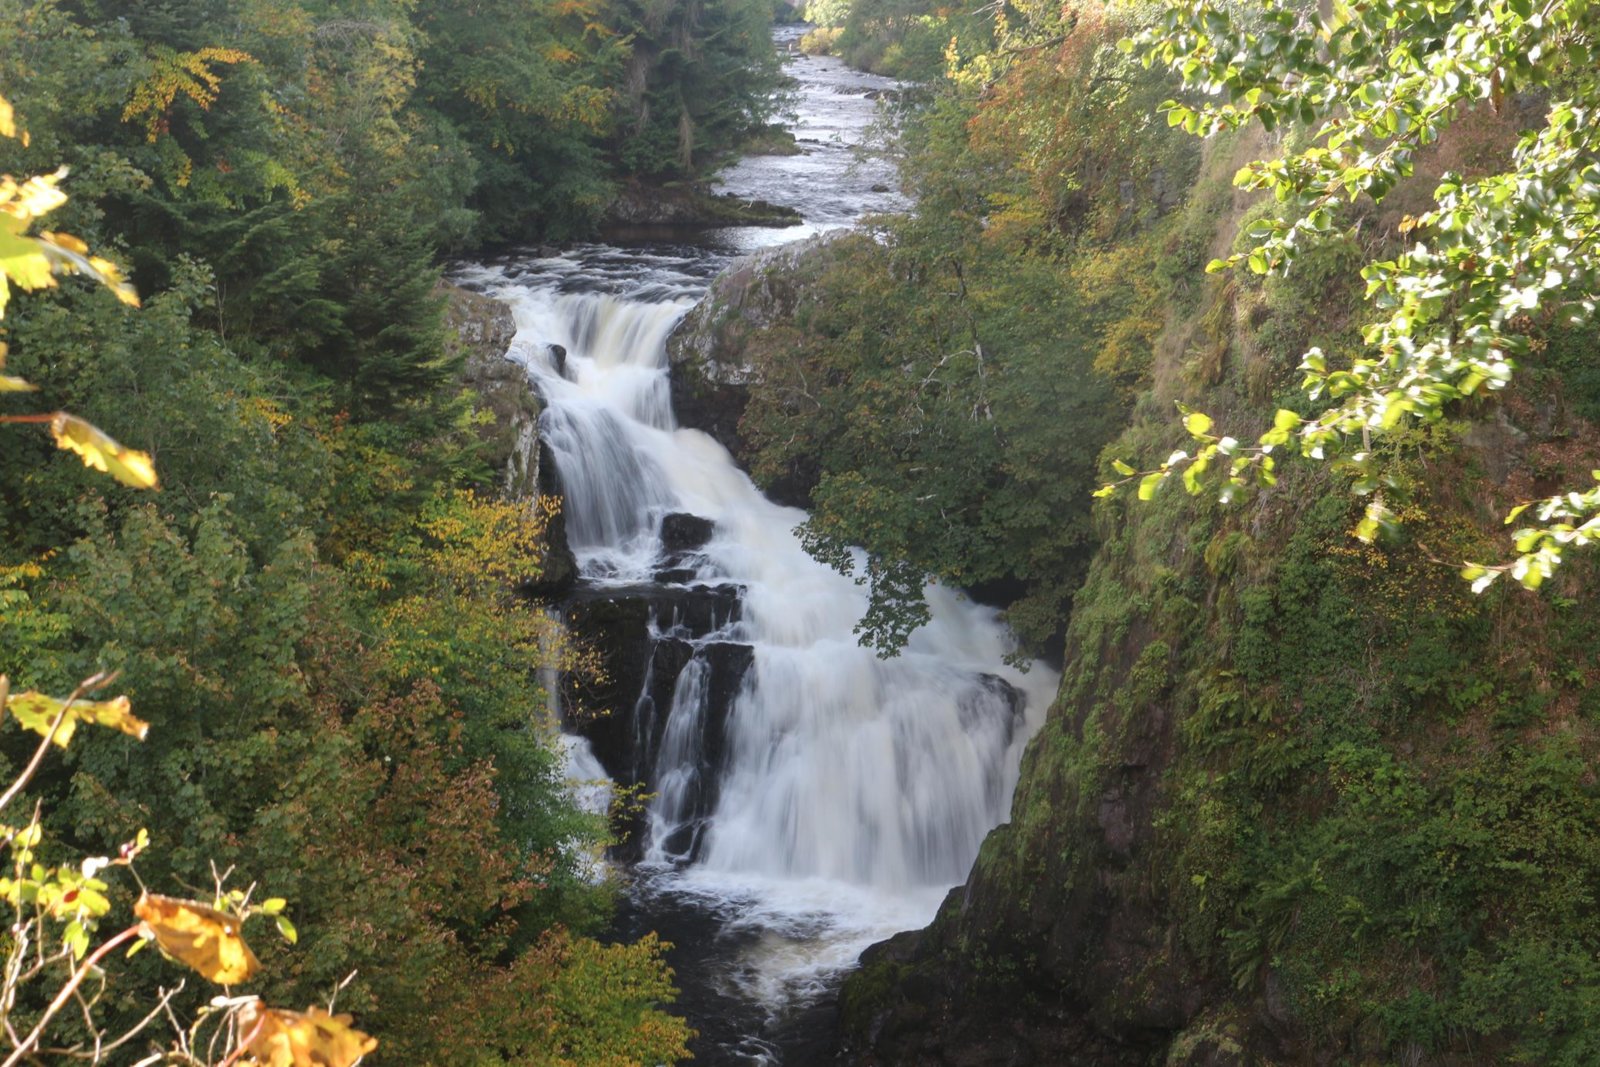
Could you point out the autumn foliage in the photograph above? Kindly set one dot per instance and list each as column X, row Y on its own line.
column 317, row 624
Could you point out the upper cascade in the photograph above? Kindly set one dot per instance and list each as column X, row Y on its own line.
column 837, row 764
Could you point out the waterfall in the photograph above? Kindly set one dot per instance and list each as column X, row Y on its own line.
column 823, row 791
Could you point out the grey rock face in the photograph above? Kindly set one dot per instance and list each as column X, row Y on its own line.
column 481, row 328
column 711, row 373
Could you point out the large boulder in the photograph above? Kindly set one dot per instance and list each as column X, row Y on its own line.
column 480, row 330
column 711, row 354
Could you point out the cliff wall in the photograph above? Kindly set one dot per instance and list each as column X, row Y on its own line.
column 1300, row 800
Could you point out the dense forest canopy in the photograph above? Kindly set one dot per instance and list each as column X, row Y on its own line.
column 1346, row 796
column 314, row 614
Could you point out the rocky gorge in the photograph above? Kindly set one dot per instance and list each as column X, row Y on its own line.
column 1268, row 814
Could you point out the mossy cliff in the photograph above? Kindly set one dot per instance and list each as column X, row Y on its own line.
column 481, row 329
column 1300, row 800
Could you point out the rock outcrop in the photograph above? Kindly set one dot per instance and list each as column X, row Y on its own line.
column 648, row 635
column 687, row 207
column 481, row 329
column 708, row 352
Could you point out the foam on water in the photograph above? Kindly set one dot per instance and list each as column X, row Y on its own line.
column 856, row 790
column 853, row 791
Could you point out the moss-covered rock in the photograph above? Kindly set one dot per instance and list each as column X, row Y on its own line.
column 646, row 210
column 482, row 328
column 709, row 353
column 1300, row 800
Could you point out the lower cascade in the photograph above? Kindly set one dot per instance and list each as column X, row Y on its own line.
column 801, row 784
column 807, row 797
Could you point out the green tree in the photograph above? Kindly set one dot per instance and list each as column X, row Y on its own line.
column 701, row 76
column 1495, row 260
column 531, row 89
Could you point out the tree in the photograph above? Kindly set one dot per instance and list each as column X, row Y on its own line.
column 1497, row 257
column 363, row 737
column 56, row 910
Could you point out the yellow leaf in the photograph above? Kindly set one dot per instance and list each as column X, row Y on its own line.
column 36, row 197
column 8, row 119
column 22, row 259
column 36, row 711
column 201, row 937
column 126, row 465
column 68, row 254
column 67, row 241
column 279, row 1038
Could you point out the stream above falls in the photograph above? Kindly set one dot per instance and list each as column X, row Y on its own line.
column 809, row 798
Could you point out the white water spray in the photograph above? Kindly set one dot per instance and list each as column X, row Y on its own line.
column 852, row 791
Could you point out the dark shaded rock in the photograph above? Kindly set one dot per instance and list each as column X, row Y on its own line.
column 645, row 636
column 558, row 567
column 558, row 360
column 681, row 532
column 676, row 575
column 726, row 663
column 711, row 369
column 879, row 187
column 664, row 210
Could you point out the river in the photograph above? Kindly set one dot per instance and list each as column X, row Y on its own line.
column 809, row 798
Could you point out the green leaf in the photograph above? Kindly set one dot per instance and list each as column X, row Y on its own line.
column 76, row 938
column 38, row 712
column 1149, row 483
column 1122, row 468
column 286, row 928
column 1196, row 423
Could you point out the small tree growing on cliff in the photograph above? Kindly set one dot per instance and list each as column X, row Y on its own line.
column 1373, row 84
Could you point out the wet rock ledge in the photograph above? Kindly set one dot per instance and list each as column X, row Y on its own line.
column 711, row 353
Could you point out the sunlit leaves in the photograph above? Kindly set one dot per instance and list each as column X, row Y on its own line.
column 199, row 936
column 313, row 1038
column 1373, row 85
column 173, row 74
column 274, row 907
column 39, row 713
column 128, row 466
column 32, row 262
column 11, row 383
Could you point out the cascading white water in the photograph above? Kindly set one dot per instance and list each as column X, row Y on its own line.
column 830, row 798
column 852, row 790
